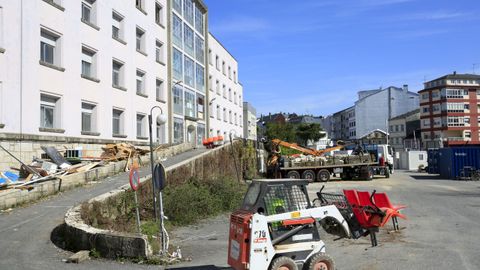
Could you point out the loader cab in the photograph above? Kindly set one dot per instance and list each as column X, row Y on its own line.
column 270, row 197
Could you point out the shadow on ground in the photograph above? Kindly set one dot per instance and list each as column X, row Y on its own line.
column 428, row 177
column 205, row 267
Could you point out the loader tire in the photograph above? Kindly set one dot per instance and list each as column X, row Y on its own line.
column 283, row 263
column 320, row 261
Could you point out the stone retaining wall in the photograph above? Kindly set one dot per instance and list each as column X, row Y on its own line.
column 215, row 163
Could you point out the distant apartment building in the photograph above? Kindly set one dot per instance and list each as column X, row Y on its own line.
column 82, row 70
column 249, row 121
column 450, row 111
column 225, row 93
column 305, row 119
column 370, row 113
column 404, row 131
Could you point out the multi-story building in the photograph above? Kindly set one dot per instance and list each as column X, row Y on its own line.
column 225, row 92
column 450, row 110
column 404, row 131
column 84, row 70
column 374, row 108
column 188, row 34
column 249, row 121
column 341, row 123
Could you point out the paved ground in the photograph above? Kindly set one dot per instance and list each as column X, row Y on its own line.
column 442, row 231
column 25, row 232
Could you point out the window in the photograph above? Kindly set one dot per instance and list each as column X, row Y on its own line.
column 200, row 79
column 436, row 108
column 217, row 87
column 49, row 48
column 426, row 123
column 160, row 90
column 230, row 94
column 158, row 14
column 177, row 65
column 188, row 40
column 468, row 134
column 198, row 20
column 140, row 35
column 217, row 62
column 402, row 127
column 456, row 93
column 200, row 106
column 235, row 76
column 230, row 117
column 117, row 26
column 161, row 131
column 140, row 82
column 140, row 125
column 199, row 49
column 177, row 93
column 435, row 94
column 139, row 4
column 223, row 68
column 229, row 72
column 425, row 96
column 117, row 74
column 1, row 28
column 177, row 31
column 219, row 113
column 188, row 11
column 240, row 102
column 457, row 107
column 210, row 86
column 88, row 63
column 189, row 72
column 455, row 121
column 159, row 52
column 177, row 6
column 224, row 91
column 224, row 115
column 49, row 111
column 190, row 104
column 211, row 110
column 235, row 119
column 177, row 130
column 88, row 117
column 117, row 122
column 235, row 97
column 88, row 11
column 210, row 60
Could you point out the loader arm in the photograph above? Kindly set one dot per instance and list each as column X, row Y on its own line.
column 305, row 216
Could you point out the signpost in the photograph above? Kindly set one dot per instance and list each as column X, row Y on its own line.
column 134, row 184
column 159, row 177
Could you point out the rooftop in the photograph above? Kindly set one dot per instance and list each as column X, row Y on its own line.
column 458, row 76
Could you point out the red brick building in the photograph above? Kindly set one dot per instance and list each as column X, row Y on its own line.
column 449, row 111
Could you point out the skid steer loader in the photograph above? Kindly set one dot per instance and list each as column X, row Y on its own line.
column 277, row 228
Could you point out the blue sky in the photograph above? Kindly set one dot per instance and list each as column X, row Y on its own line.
column 312, row 56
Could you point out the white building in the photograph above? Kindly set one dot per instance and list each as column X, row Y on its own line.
column 373, row 108
column 249, row 121
column 82, row 69
column 225, row 93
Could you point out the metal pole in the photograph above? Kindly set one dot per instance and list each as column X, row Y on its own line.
column 151, row 163
column 138, row 213
column 162, row 225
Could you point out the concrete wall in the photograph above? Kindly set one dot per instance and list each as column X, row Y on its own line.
column 23, row 79
column 214, row 164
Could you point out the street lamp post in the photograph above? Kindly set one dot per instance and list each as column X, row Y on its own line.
column 161, row 119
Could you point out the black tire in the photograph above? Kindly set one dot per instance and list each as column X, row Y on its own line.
column 309, row 174
column 283, row 261
column 320, row 261
column 323, row 175
column 387, row 172
column 293, row 175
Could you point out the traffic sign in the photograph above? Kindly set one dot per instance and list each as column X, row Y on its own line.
column 134, row 179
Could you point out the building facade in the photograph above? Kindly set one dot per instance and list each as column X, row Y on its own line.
column 249, row 121
column 374, row 108
column 404, row 131
column 85, row 69
column 225, row 92
column 449, row 111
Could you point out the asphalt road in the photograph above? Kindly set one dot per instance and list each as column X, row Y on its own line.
column 442, row 230
column 25, row 232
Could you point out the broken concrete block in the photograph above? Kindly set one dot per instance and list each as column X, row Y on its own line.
column 79, row 257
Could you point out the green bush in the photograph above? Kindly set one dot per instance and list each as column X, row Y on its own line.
column 194, row 200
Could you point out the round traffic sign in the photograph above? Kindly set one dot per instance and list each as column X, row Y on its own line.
column 134, row 179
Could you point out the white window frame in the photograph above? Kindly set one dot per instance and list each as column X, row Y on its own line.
column 118, row 22
column 160, row 90
column 140, row 40
column 120, row 73
column 120, row 122
column 159, row 14
column 52, row 102
column 91, row 6
column 89, row 57
column 55, row 43
column 159, row 52
column 140, row 78
column 140, row 120
column 89, row 109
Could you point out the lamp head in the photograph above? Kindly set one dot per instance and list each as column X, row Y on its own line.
column 161, row 119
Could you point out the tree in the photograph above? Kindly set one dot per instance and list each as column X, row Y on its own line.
column 284, row 132
column 306, row 132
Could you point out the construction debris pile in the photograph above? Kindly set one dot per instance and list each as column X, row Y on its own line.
column 54, row 165
column 338, row 159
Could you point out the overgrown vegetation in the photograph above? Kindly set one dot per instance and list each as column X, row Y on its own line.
column 299, row 133
column 195, row 200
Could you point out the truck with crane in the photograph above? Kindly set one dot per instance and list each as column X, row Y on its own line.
column 361, row 162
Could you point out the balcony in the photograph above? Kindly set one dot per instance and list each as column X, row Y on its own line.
column 458, row 139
